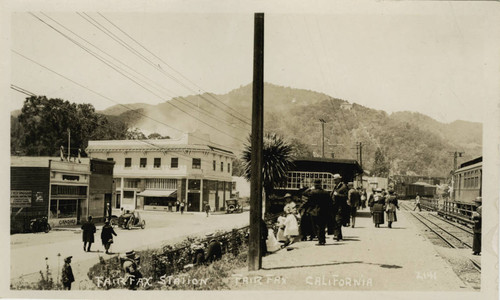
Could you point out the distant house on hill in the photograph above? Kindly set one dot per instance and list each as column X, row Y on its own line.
column 346, row 106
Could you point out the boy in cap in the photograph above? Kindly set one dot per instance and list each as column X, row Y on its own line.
column 67, row 274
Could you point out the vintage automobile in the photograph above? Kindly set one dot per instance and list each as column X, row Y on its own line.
column 233, row 206
column 130, row 219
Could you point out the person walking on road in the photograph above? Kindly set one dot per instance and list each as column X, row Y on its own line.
column 341, row 211
column 477, row 218
column 107, row 236
column 391, row 206
column 207, row 208
column 88, row 234
column 67, row 274
column 353, row 200
column 320, row 207
column 182, row 207
column 417, row 203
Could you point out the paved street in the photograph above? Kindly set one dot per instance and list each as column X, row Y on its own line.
column 28, row 251
column 397, row 259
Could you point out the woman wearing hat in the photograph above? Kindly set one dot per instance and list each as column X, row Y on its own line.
column 107, row 236
column 378, row 208
column 67, row 274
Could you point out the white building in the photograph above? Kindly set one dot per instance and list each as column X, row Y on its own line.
column 158, row 174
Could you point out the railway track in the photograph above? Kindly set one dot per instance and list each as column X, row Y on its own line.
column 450, row 238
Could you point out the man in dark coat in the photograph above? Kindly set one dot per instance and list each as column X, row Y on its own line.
column 67, row 274
column 319, row 207
column 341, row 212
column 88, row 234
column 476, row 217
column 353, row 201
column 214, row 251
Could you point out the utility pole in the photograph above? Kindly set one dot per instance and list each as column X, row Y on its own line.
column 361, row 161
column 254, row 247
column 69, row 148
column 456, row 154
column 322, row 137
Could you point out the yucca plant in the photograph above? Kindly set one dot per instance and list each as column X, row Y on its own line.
column 277, row 161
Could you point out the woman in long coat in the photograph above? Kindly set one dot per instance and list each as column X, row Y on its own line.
column 107, row 236
column 378, row 210
column 391, row 206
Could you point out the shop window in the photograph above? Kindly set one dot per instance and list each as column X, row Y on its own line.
column 128, row 162
column 128, row 194
column 157, row 162
column 53, row 209
column 143, row 162
column 194, row 184
column 174, row 162
column 196, row 163
column 109, row 159
column 67, row 208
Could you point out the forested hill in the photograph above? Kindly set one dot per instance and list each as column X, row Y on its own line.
column 412, row 143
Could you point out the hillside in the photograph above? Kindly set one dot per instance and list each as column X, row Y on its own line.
column 413, row 143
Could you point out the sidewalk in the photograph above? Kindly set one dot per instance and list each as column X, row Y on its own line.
column 369, row 258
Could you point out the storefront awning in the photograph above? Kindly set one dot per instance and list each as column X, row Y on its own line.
column 158, row 193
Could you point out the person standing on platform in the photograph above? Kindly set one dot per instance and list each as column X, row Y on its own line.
column 341, row 213
column 353, row 201
column 417, row 203
column 391, row 206
column 371, row 201
column 88, row 230
column 477, row 218
column 319, row 207
column 378, row 208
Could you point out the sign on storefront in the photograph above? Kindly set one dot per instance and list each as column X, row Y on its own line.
column 20, row 198
column 62, row 222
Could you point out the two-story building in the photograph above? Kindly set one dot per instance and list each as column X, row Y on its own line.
column 159, row 174
column 66, row 192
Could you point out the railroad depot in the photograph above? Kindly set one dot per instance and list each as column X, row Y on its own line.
column 65, row 192
column 160, row 174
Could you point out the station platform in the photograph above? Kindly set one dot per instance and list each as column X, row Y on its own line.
column 367, row 259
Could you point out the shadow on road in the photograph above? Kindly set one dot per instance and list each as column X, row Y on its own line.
column 334, row 264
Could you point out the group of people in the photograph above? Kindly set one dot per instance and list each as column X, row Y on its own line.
column 383, row 202
column 88, row 231
column 319, row 213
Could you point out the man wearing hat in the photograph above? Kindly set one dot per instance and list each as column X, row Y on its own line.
column 131, row 267
column 214, row 249
column 319, row 207
column 67, row 274
column 341, row 213
column 476, row 217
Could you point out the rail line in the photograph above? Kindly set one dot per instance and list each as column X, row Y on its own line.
column 442, row 237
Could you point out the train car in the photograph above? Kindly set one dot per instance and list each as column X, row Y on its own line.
column 467, row 185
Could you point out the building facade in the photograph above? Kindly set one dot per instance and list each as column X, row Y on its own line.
column 66, row 192
column 160, row 174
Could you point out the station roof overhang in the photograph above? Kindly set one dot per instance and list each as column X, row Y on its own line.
column 330, row 165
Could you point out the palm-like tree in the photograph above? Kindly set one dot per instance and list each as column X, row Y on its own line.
column 277, row 161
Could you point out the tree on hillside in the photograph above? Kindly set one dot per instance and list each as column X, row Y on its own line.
column 380, row 166
column 44, row 125
column 135, row 134
column 277, row 161
column 157, row 136
column 300, row 149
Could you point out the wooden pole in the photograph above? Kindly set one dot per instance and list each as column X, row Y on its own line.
column 254, row 248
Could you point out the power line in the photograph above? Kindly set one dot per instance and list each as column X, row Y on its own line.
column 21, row 90
column 117, row 70
column 107, row 98
column 154, row 85
column 106, row 31
column 215, row 98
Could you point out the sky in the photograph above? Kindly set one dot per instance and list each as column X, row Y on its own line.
column 439, row 59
